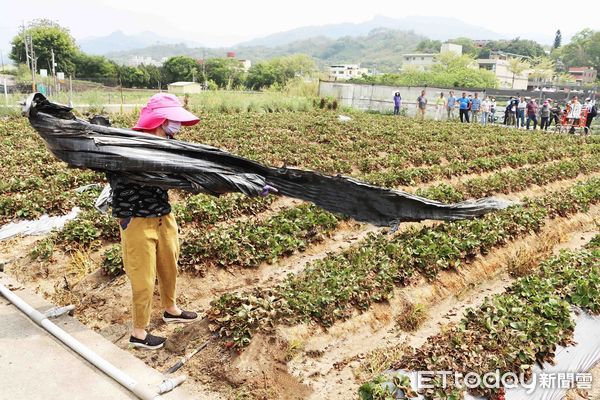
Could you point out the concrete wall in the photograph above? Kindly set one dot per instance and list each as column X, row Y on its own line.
column 381, row 98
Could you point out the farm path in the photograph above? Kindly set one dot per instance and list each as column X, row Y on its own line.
column 39, row 366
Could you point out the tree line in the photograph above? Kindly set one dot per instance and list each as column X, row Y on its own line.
column 451, row 70
column 545, row 65
column 582, row 51
column 225, row 73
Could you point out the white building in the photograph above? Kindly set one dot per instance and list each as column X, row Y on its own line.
column 499, row 65
column 184, row 87
column 419, row 61
column 134, row 61
column 346, row 71
column 451, row 48
column 424, row 61
column 245, row 64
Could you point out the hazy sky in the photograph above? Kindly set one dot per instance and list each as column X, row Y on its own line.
column 226, row 22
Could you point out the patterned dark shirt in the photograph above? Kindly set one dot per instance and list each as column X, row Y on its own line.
column 133, row 200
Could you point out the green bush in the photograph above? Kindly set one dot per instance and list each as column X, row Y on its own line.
column 112, row 263
column 43, row 249
column 79, row 230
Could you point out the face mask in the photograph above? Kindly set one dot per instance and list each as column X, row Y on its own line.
column 171, row 128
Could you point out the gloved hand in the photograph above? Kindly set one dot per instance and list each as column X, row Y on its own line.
column 267, row 189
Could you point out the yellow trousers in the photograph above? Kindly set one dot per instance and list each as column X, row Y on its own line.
column 150, row 248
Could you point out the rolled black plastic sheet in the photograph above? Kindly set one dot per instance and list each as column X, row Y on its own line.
column 151, row 160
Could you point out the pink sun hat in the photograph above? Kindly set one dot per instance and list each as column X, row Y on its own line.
column 161, row 107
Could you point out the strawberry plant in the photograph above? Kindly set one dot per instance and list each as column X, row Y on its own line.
column 203, row 210
column 511, row 181
column 83, row 232
column 512, row 331
column 372, row 148
column 43, row 249
column 112, row 261
column 391, row 177
column 249, row 243
column 332, row 288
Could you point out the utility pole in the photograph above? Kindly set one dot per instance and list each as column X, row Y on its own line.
column 70, row 92
column 204, row 68
column 2, row 60
column 33, row 62
column 25, row 42
column 54, row 71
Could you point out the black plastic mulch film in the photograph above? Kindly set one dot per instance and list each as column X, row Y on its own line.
column 151, row 160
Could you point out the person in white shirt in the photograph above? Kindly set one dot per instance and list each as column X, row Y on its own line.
column 521, row 112
column 574, row 108
column 440, row 105
column 486, row 106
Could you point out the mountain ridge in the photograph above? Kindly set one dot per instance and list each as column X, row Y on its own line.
column 380, row 48
column 437, row 28
column 119, row 41
column 378, row 42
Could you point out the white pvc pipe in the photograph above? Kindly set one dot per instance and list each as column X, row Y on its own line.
column 58, row 311
column 169, row 384
column 141, row 391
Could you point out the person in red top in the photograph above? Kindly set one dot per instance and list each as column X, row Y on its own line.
column 532, row 109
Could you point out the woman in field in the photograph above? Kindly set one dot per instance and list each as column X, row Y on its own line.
column 149, row 234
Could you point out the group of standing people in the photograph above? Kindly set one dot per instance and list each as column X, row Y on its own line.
column 470, row 108
column 519, row 112
column 518, row 109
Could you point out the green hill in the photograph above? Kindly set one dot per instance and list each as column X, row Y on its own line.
column 381, row 48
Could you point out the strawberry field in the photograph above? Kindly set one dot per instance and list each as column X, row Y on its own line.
column 299, row 303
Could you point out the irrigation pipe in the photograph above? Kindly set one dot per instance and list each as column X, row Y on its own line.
column 140, row 390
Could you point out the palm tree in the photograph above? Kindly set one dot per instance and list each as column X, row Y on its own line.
column 542, row 69
column 517, row 66
column 564, row 77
